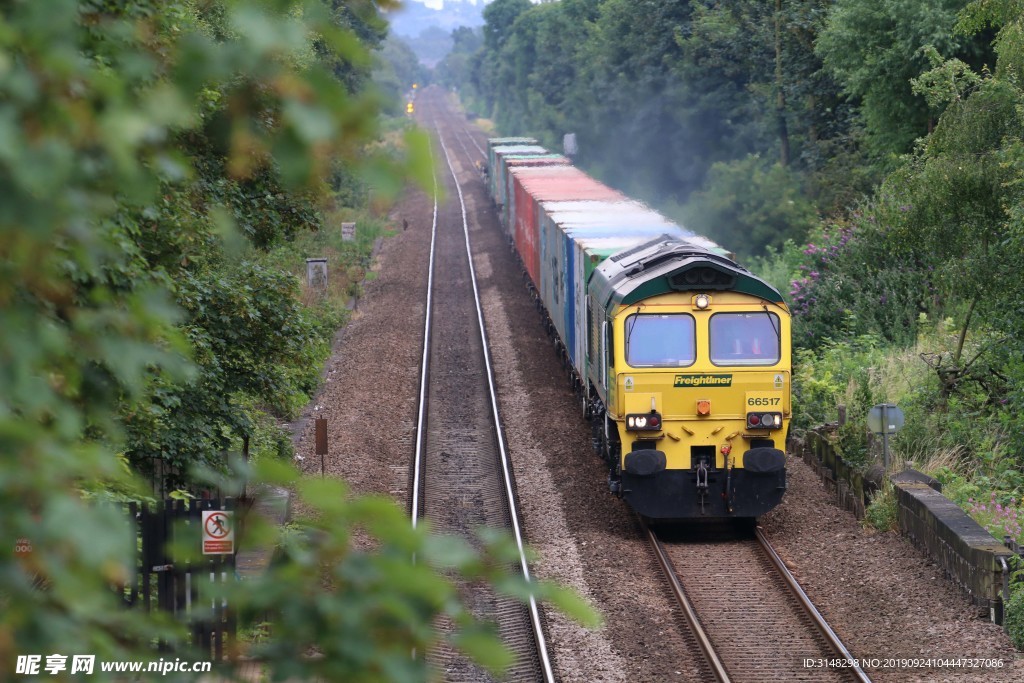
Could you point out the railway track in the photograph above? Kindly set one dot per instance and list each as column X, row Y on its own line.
column 461, row 474
column 750, row 618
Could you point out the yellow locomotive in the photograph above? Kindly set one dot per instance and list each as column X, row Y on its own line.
column 681, row 357
column 690, row 376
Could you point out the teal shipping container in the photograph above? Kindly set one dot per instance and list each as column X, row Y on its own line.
column 495, row 171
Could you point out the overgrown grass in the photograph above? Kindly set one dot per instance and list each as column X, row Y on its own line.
column 268, row 438
column 930, row 456
column 881, row 511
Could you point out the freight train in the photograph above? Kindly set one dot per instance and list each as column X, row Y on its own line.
column 681, row 358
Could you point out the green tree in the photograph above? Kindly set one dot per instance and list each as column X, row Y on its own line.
column 456, row 69
column 499, row 17
column 658, row 93
column 112, row 115
column 945, row 223
column 752, row 206
column 633, row 49
column 432, row 44
column 397, row 69
column 875, row 48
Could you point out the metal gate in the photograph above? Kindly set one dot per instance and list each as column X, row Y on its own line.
column 187, row 590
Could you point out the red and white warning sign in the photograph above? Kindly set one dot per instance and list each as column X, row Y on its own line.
column 218, row 532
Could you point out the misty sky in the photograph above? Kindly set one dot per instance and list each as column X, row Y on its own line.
column 439, row 4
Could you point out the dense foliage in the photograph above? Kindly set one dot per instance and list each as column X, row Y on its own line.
column 398, row 68
column 754, row 117
column 163, row 164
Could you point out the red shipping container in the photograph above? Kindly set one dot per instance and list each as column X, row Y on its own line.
column 547, row 183
column 517, row 161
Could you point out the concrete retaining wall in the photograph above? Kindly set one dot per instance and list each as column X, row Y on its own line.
column 967, row 553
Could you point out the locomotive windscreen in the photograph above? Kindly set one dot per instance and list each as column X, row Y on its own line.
column 660, row 340
column 744, row 338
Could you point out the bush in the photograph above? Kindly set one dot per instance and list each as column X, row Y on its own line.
column 267, row 438
column 750, row 204
column 1013, row 610
column 838, row 374
column 881, row 512
column 779, row 267
column 94, row 345
column 856, row 282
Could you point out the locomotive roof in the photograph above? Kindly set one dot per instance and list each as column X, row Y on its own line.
column 658, row 267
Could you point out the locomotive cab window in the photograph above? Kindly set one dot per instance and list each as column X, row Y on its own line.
column 744, row 338
column 660, row 341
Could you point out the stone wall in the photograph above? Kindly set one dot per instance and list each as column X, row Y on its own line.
column 967, row 553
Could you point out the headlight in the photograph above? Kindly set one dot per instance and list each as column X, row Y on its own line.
column 764, row 420
column 640, row 422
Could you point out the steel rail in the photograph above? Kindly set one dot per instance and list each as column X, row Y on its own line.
column 424, row 374
column 718, row 669
column 833, row 640
column 466, row 133
column 469, row 134
column 424, row 367
column 538, row 629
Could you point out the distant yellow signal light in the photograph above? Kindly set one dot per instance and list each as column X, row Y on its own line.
column 414, row 86
column 409, row 108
